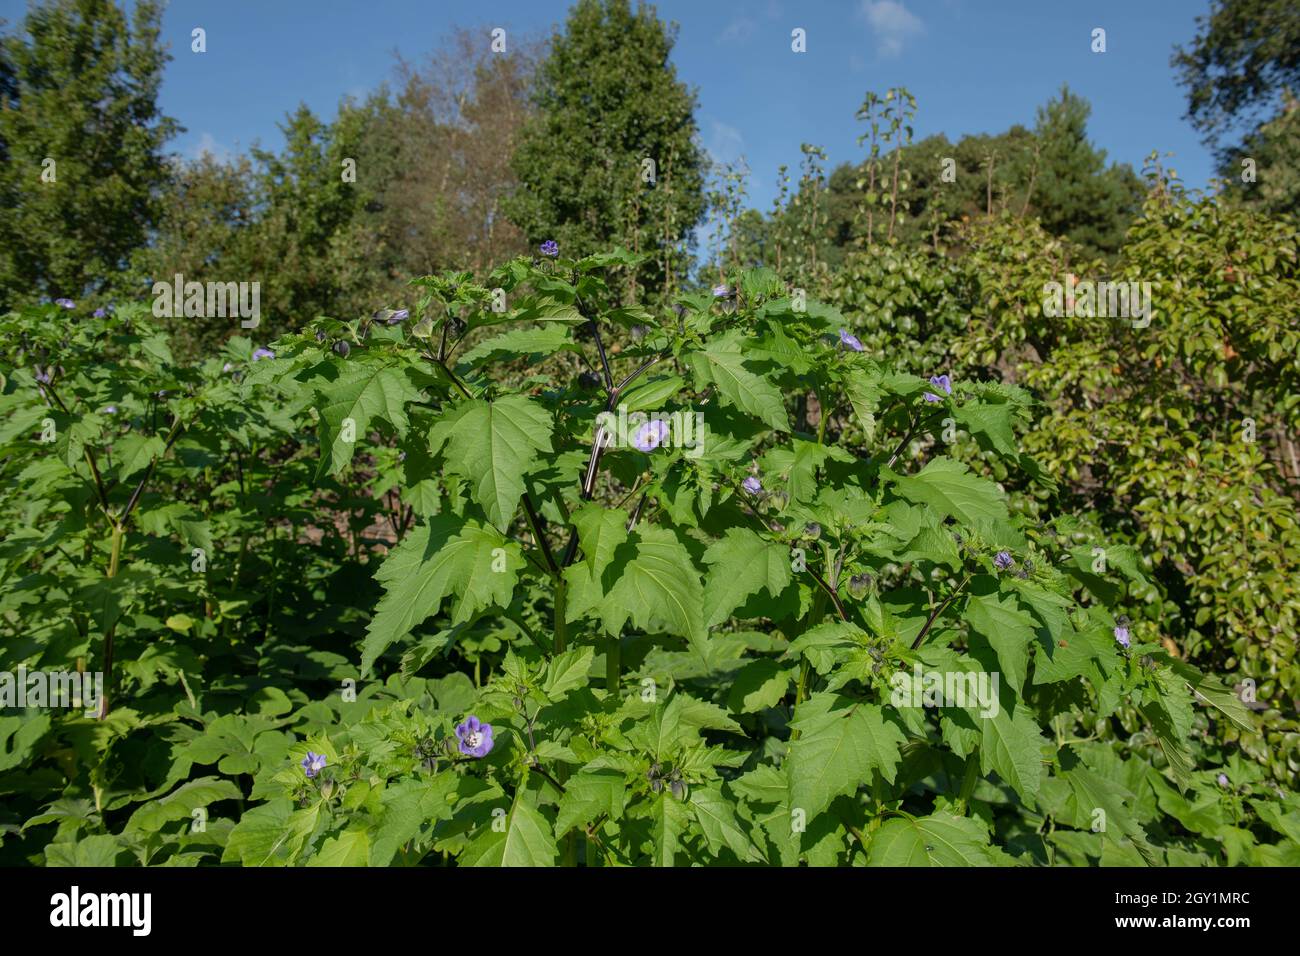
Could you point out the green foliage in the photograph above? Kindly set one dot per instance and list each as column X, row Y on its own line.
column 836, row 666
column 81, row 138
column 609, row 102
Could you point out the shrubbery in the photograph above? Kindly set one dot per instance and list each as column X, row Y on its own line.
column 849, row 620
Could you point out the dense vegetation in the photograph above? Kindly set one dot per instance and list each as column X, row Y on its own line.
column 844, row 547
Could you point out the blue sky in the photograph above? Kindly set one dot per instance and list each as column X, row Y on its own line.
column 974, row 66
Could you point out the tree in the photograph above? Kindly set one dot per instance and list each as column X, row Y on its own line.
column 1245, row 54
column 1052, row 172
column 612, row 157
column 82, row 136
column 1241, row 74
column 1076, row 195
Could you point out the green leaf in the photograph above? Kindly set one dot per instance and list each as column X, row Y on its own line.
column 349, row 848
column 494, row 445
column 758, row 685
column 659, row 588
column 669, row 819
column 723, row 364
column 1012, row 745
column 362, row 392
column 716, row 816
column 1008, row 629
column 600, row 532
column 526, row 840
column 740, row 564
column 180, row 803
column 446, row 557
column 535, row 344
column 134, row 452
column 840, row 742
column 991, row 426
column 940, row 839
column 588, row 795
column 567, row 672
column 270, row 835
column 949, row 486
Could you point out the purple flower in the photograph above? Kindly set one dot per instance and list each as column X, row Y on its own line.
column 850, row 340
column 100, row 312
column 262, row 354
column 399, row 316
column 45, row 376
column 650, row 435
column 227, row 367
column 110, row 409
column 939, row 381
column 752, row 485
column 1121, row 636
column 550, row 248
column 474, row 737
column 1002, row 560
column 313, row 763
column 721, row 292
column 66, row 303
column 1223, row 779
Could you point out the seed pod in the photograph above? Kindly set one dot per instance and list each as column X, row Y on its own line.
column 678, row 789
column 812, row 531
column 588, row 380
column 342, row 348
column 320, row 335
column 859, row 585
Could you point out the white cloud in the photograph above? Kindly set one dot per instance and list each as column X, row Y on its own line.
column 208, row 146
column 892, row 23
column 739, row 30
column 725, row 142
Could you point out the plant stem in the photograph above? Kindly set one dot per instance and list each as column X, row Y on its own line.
column 613, row 663
column 114, row 560
column 561, row 627
column 934, row 615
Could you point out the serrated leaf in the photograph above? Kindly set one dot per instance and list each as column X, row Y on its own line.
column 527, row 839
column 494, row 445
column 1008, row 629
column 445, row 557
column 940, row 839
column 950, row 487
column 362, row 392
column 567, row 672
column 134, row 452
column 349, row 848
column 722, row 363
column 659, row 587
column 588, row 795
column 740, row 564
column 839, row 745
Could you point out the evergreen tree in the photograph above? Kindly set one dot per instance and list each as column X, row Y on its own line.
column 608, row 101
column 1075, row 194
column 81, row 185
